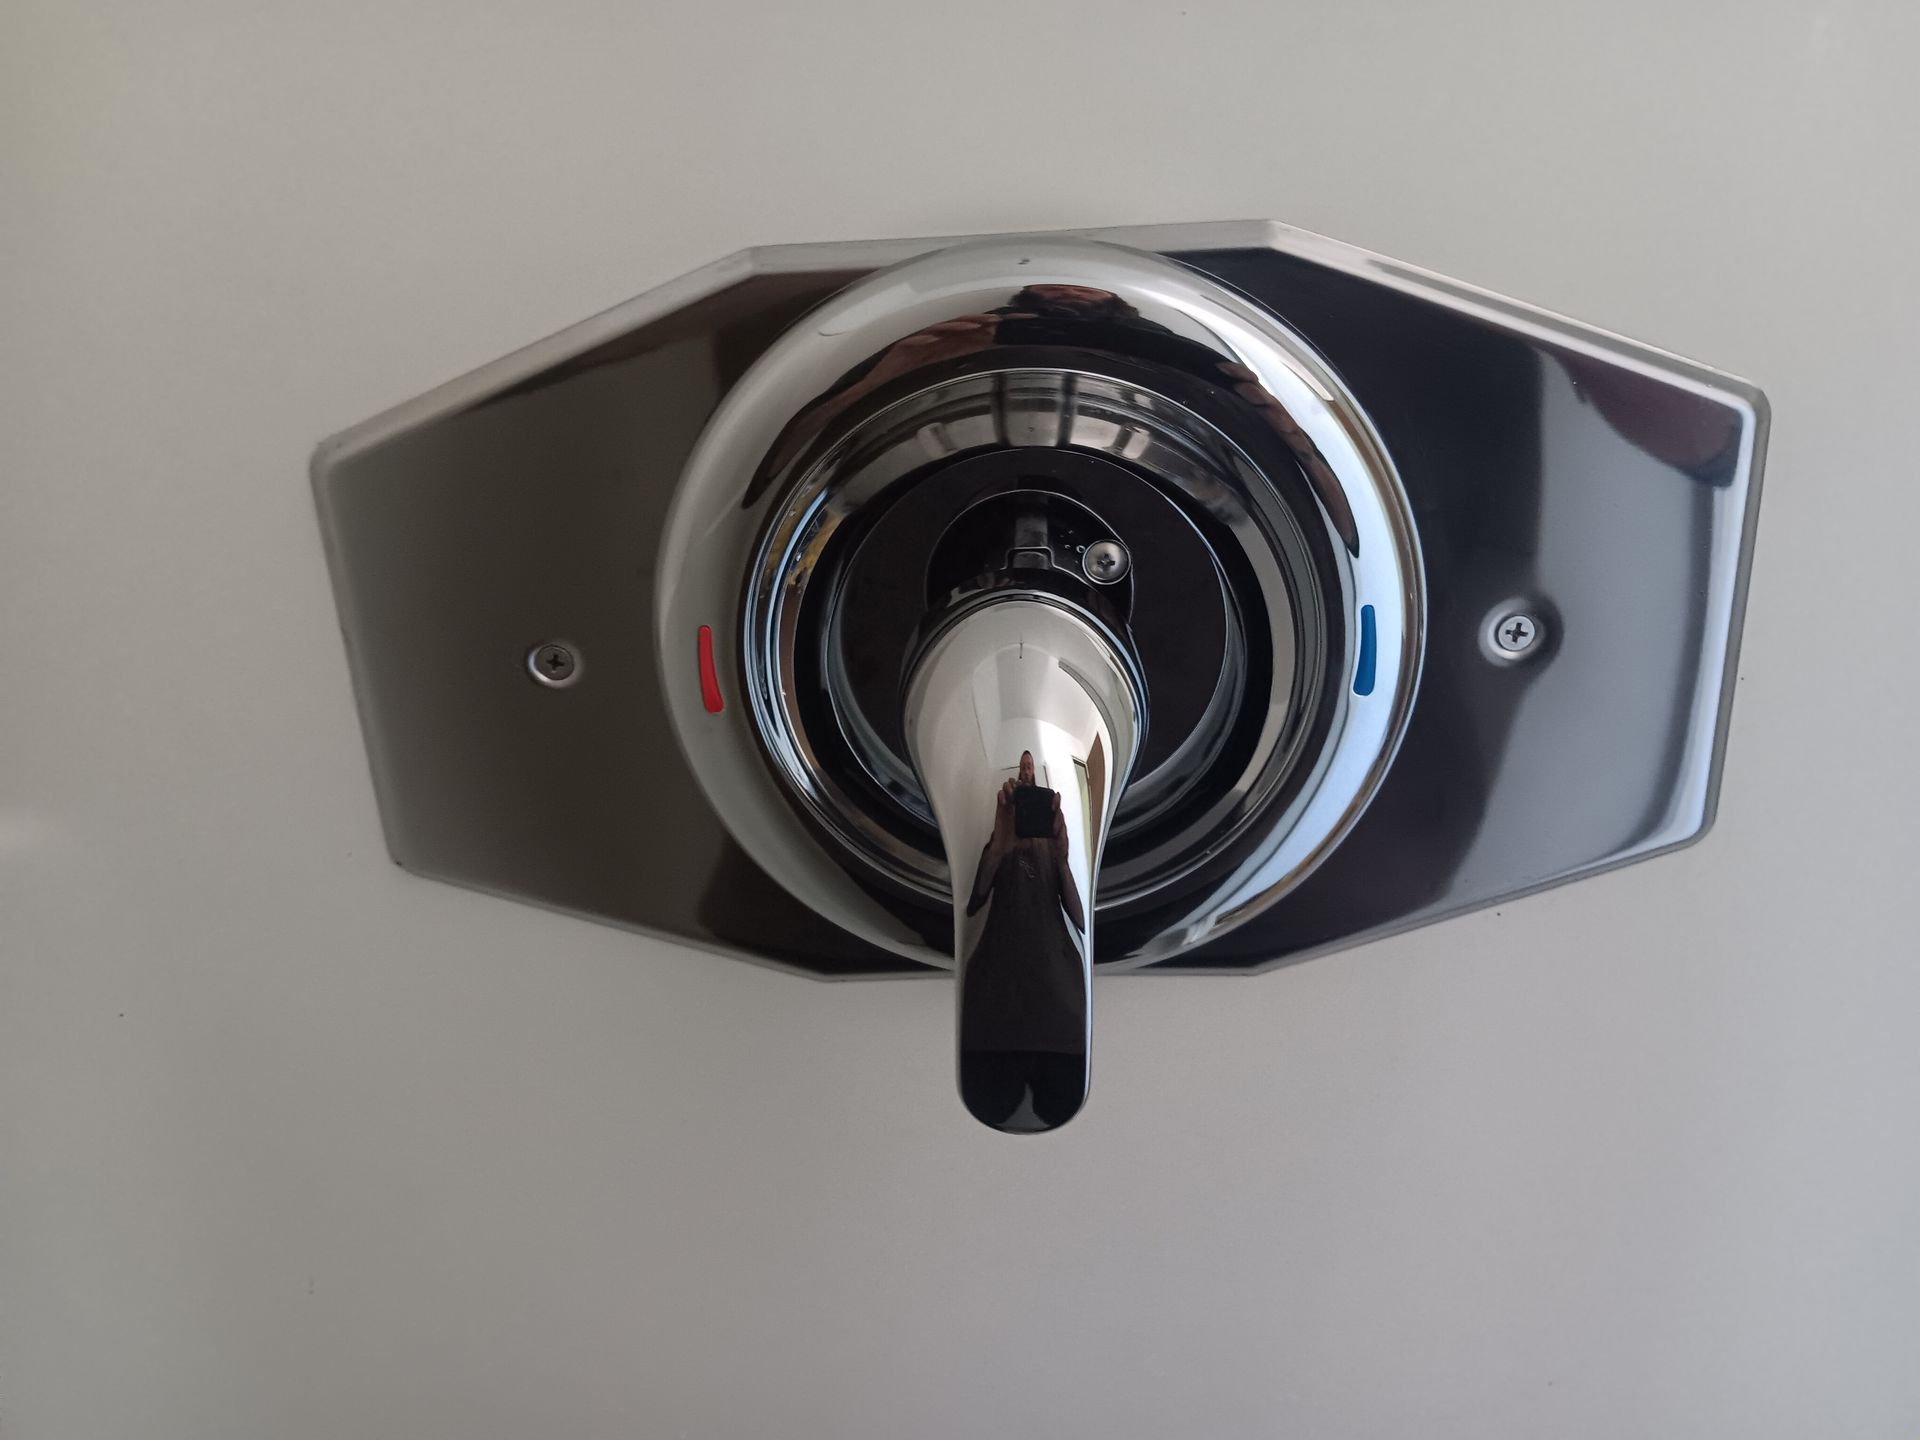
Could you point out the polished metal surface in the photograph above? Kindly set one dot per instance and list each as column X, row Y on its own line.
column 1607, row 488
column 1037, row 343
column 1023, row 722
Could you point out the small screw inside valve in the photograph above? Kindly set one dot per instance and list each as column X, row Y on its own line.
column 1106, row 562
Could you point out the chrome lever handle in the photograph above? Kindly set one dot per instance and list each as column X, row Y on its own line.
column 1023, row 721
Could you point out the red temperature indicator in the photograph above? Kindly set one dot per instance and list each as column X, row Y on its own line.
column 710, row 695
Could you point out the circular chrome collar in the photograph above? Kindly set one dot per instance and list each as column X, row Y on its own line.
column 817, row 427
column 804, row 554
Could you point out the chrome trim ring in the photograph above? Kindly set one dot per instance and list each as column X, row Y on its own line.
column 902, row 332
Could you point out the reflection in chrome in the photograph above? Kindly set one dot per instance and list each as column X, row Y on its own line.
column 1023, row 722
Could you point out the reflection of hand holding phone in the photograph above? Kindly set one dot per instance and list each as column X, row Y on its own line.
column 1033, row 810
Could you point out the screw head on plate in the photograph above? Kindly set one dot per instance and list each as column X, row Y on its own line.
column 554, row 664
column 1516, row 633
column 1106, row 562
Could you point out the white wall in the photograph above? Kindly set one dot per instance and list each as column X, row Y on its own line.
column 293, row 1144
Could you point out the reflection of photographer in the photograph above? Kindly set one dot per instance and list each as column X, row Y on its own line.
column 1027, row 852
column 1023, row 976
column 1023, row 979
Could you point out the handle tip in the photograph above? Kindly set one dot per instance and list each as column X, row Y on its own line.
column 1023, row 1092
